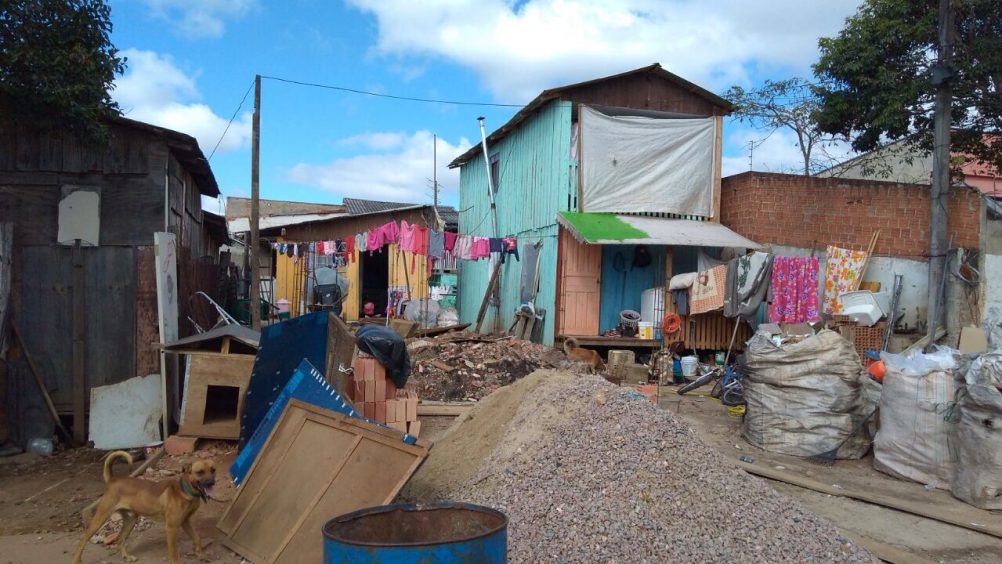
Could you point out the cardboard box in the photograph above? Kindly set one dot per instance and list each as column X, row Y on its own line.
column 411, row 408
column 414, row 428
column 402, row 410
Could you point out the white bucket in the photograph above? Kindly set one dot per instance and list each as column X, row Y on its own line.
column 690, row 366
column 645, row 330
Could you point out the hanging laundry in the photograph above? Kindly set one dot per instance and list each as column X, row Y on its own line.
column 794, row 290
column 481, row 248
column 360, row 242
column 321, row 248
column 842, row 269
column 747, row 281
column 707, row 292
column 349, row 249
column 463, row 247
column 407, row 234
column 388, row 233
column 281, row 248
column 330, row 247
column 436, row 244
column 450, row 241
column 511, row 247
column 372, row 240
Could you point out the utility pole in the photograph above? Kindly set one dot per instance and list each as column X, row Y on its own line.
column 255, row 265
column 434, row 169
column 939, row 191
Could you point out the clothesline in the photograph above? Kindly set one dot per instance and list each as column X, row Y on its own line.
column 413, row 238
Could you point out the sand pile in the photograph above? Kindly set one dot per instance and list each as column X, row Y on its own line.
column 587, row 472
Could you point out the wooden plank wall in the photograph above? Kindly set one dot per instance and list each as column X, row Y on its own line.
column 713, row 331
column 643, row 91
column 537, row 180
column 44, row 314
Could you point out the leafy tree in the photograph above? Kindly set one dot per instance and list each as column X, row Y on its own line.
column 57, row 64
column 877, row 76
column 786, row 104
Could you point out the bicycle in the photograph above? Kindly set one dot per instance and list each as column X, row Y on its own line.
column 728, row 388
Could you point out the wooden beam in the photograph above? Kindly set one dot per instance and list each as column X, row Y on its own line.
column 717, row 148
column 79, row 387
column 39, row 380
column 966, row 517
column 487, row 296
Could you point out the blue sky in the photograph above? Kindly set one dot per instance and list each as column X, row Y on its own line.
column 191, row 62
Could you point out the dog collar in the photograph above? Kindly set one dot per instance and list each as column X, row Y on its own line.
column 186, row 488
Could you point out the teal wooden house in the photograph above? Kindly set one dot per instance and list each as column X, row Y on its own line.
column 617, row 180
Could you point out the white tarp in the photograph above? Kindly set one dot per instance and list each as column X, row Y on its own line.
column 631, row 164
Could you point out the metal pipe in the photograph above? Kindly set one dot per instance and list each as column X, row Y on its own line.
column 490, row 179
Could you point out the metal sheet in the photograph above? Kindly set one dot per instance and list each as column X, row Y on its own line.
column 127, row 414
column 662, row 231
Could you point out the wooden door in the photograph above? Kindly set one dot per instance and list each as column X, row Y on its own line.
column 580, row 285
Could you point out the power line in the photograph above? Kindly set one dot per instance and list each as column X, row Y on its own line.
column 233, row 117
column 391, row 96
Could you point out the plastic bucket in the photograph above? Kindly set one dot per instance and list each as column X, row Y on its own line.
column 645, row 330
column 406, row 533
column 690, row 366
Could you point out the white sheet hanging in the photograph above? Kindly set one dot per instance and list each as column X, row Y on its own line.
column 638, row 164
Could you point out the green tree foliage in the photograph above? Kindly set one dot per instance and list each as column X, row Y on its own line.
column 788, row 104
column 57, row 64
column 876, row 76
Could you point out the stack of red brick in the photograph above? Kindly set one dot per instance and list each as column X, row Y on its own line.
column 377, row 398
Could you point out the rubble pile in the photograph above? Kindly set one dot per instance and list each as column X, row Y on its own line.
column 587, row 471
column 468, row 366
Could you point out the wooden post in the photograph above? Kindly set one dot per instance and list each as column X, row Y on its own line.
column 940, row 172
column 717, row 158
column 79, row 378
column 255, row 262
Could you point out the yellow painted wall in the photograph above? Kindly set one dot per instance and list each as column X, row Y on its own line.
column 399, row 276
column 287, row 283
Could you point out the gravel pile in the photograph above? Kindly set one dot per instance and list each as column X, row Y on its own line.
column 588, row 472
column 468, row 366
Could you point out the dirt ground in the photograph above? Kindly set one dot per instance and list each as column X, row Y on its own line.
column 41, row 499
column 922, row 538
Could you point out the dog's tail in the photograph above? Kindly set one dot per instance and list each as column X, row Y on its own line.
column 111, row 460
column 570, row 343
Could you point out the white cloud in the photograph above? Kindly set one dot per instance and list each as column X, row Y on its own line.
column 519, row 49
column 199, row 18
column 395, row 172
column 776, row 153
column 155, row 90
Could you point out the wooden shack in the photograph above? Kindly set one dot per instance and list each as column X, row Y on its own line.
column 83, row 217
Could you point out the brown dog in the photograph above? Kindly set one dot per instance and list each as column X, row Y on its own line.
column 170, row 501
column 574, row 352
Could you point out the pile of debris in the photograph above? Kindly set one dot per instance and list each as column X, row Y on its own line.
column 589, row 471
column 469, row 366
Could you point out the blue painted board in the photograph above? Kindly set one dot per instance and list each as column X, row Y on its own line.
column 306, row 384
column 282, row 347
column 637, row 280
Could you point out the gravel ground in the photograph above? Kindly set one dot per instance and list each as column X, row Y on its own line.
column 589, row 472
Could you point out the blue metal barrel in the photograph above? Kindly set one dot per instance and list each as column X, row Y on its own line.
column 426, row 533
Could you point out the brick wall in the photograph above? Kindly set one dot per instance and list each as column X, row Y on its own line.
column 798, row 211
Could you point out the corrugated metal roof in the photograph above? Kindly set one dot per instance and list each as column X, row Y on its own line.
column 366, row 207
column 242, row 224
column 614, row 229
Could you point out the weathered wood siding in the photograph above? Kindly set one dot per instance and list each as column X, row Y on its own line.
column 645, row 92
column 537, row 179
column 43, row 314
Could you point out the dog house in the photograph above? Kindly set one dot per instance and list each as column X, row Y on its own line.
column 218, row 367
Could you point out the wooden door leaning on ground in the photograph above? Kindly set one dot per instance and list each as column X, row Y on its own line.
column 580, row 285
